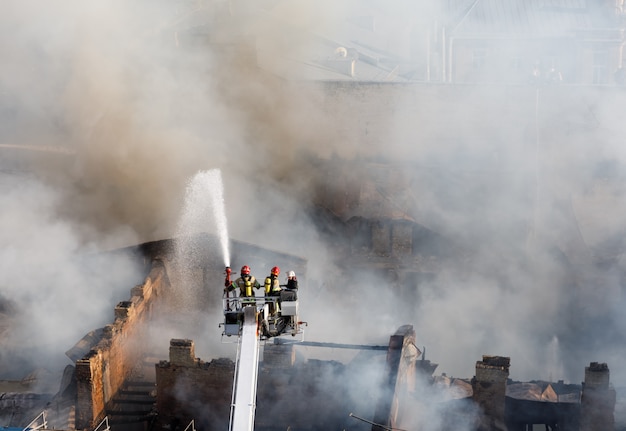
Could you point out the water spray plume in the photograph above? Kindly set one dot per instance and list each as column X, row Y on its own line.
column 203, row 212
column 205, row 197
column 219, row 211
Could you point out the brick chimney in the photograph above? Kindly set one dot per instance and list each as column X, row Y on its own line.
column 489, row 388
column 597, row 403
column 182, row 352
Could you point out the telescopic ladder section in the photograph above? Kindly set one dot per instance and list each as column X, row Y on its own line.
column 244, row 406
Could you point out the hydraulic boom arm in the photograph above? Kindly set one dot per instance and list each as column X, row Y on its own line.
column 243, row 409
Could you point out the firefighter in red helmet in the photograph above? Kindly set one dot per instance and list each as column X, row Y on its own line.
column 272, row 288
column 245, row 283
column 272, row 285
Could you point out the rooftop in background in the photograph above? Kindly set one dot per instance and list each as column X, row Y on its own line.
column 523, row 18
column 374, row 42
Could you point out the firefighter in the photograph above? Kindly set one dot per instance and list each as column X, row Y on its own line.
column 290, row 293
column 292, row 281
column 246, row 282
column 272, row 288
column 272, row 285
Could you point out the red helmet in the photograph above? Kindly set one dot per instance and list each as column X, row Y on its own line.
column 275, row 270
column 245, row 270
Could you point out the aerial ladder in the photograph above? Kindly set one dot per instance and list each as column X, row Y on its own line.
column 246, row 372
column 253, row 320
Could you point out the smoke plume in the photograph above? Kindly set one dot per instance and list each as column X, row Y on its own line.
column 126, row 101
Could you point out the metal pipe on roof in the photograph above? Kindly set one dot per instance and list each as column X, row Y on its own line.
column 428, row 57
column 450, row 50
column 332, row 345
column 444, row 64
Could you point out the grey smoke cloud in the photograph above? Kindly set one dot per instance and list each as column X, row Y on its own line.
column 56, row 288
column 142, row 109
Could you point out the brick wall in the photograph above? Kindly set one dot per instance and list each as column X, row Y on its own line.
column 101, row 373
column 191, row 389
column 402, row 239
column 290, row 394
column 381, row 238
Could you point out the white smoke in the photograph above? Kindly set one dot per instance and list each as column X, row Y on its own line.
column 134, row 93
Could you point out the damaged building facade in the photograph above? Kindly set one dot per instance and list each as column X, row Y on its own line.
column 118, row 380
